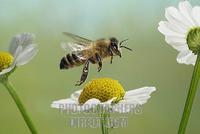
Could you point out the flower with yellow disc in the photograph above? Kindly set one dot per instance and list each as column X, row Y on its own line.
column 103, row 91
column 21, row 51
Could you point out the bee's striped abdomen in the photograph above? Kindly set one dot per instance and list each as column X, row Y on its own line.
column 70, row 60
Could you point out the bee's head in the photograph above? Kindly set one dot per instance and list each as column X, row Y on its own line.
column 116, row 46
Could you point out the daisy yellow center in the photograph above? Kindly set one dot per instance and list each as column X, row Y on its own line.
column 193, row 40
column 6, row 59
column 103, row 89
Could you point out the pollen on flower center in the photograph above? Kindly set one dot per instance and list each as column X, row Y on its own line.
column 193, row 40
column 6, row 59
column 103, row 89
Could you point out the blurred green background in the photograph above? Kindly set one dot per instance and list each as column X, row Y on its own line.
column 153, row 62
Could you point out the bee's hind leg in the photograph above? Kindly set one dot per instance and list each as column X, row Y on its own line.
column 84, row 73
column 111, row 54
column 98, row 58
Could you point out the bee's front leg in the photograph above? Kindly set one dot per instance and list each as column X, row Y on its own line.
column 84, row 73
column 98, row 57
column 111, row 54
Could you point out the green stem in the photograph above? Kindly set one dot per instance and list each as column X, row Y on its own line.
column 104, row 123
column 19, row 104
column 190, row 97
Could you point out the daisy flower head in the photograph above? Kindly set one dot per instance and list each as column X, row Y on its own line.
column 21, row 51
column 107, row 93
column 182, row 31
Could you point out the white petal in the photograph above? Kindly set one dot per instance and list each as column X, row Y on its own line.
column 176, row 18
column 177, row 43
column 178, row 40
column 14, row 44
column 17, row 52
column 106, row 105
column 63, row 103
column 186, row 11
column 173, row 27
column 74, row 106
column 76, row 95
column 186, row 57
column 134, row 94
column 4, row 71
column 20, row 39
column 90, row 104
column 164, row 29
column 133, row 99
column 196, row 14
column 191, row 59
column 125, row 107
column 26, row 55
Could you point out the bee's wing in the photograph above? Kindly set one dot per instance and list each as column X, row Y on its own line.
column 72, row 47
column 75, row 48
column 81, row 40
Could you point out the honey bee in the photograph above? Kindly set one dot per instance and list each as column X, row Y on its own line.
column 84, row 51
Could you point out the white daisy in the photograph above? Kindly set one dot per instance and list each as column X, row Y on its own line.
column 182, row 30
column 97, row 92
column 21, row 51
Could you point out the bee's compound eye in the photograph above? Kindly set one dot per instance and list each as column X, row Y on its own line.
column 115, row 46
column 114, row 40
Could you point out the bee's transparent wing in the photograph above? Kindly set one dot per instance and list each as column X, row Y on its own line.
column 74, row 48
column 81, row 40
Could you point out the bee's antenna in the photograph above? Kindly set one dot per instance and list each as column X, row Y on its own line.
column 127, row 48
column 122, row 42
column 120, row 45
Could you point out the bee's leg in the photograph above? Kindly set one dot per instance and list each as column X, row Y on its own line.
column 111, row 59
column 84, row 73
column 111, row 54
column 98, row 57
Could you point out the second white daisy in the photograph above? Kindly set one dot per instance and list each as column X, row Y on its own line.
column 182, row 31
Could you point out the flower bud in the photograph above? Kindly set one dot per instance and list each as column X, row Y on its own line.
column 193, row 40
